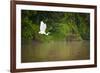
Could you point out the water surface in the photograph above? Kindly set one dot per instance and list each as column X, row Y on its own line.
column 33, row 51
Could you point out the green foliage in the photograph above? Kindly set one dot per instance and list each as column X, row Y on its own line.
column 61, row 25
column 26, row 29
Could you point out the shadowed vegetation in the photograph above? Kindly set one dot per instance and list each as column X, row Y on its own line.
column 60, row 24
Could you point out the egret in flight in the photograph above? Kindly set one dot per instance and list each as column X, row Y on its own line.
column 43, row 28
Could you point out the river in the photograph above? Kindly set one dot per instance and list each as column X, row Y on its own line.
column 55, row 51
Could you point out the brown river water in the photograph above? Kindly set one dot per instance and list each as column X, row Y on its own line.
column 55, row 51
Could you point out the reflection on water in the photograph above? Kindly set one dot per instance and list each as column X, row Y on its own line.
column 55, row 51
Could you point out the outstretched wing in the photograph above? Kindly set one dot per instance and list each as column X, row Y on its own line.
column 42, row 26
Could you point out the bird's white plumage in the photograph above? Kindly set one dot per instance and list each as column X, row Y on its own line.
column 43, row 28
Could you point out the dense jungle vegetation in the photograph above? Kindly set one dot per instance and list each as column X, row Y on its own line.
column 61, row 25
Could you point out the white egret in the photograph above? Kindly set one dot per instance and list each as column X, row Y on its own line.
column 43, row 28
